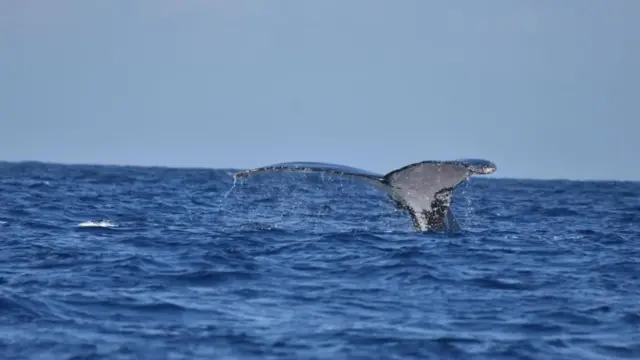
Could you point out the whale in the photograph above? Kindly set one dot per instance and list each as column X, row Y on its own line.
column 423, row 189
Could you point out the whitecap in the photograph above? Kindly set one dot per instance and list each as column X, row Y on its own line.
column 98, row 224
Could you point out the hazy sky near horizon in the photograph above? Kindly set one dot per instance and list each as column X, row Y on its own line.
column 545, row 89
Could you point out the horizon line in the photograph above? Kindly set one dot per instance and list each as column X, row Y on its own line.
column 202, row 167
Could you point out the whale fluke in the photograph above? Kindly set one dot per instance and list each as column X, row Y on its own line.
column 424, row 189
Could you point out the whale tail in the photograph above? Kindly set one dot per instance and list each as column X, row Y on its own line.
column 423, row 189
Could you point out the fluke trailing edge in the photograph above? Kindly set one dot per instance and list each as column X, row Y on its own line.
column 424, row 189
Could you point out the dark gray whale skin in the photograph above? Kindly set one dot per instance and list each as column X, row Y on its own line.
column 424, row 189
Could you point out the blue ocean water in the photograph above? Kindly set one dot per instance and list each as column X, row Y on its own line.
column 106, row 262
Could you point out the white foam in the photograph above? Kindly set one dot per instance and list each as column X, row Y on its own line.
column 100, row 224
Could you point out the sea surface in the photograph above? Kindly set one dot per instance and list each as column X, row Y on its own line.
column 107, row 262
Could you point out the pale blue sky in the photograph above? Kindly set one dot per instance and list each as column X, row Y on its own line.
column 545, row 89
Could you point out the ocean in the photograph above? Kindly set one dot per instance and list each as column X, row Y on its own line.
column 119, row 262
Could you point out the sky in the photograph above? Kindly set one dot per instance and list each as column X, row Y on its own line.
column 545, row 89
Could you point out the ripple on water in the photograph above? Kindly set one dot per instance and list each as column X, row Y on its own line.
column 129, row 263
